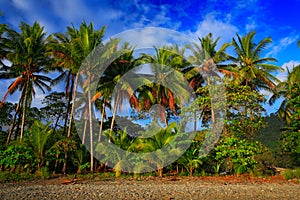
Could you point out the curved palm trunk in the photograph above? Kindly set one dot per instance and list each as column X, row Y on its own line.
column 14, row 122
column 114, row 116
column 69, row 105
column 73, row 106
column 70, row 124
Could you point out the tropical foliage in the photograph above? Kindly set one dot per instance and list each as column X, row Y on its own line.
column 44, row 140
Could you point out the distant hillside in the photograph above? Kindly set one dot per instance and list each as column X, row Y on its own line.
column 271, row 133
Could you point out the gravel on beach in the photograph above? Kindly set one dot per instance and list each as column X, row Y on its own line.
column 149, row 189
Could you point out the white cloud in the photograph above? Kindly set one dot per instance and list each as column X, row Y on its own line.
column 153, row 36
column 282, row 44
column 251, row 25
column 219, row 28
column 282, row 76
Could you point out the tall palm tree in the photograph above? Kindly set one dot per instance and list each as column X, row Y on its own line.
column 27, row 51
column 208, row 60
column 254, row 70
column 70, row 50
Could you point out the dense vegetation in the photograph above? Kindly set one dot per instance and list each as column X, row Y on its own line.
column 43, row 140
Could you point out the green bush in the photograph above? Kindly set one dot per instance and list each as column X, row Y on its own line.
column 237, row 155
column 266, row 162
column 292, row 174
column 43, row 173
column 17, row 157
column 6, row 177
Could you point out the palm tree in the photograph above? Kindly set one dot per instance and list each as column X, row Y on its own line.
column 161, row 139
column 70, row 50
column 112, row 80
column 37, row 140
column 115, row 156
column 27, row 51
column 206, row 57
column 168, row 81
column 284, row 89
column 254, row 70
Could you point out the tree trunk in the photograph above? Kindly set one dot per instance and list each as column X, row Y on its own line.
column 91, row 125
column 69, row 99
column 212, row 109
column 166, row 120
column 84, row 131
column 113, row 117
column 65, row 162
column 24, row 111
column 160, row 172
column 195, row 121
column 70, row 123
column 101, row 122
column 55, row 165
column 73, row 106
column 57, row 120
column 18, row 123
column 191, row 170
column 14, row 122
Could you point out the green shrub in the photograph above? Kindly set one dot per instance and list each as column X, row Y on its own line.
column 43, row 173
column 237, row 155
column 292, row 174
column 266, row 162
column 17, row 157
column 6, row 177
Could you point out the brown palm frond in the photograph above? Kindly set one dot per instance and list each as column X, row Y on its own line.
column 96, row 96
column 11, row 88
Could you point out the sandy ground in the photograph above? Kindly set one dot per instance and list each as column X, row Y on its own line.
column 225, row 187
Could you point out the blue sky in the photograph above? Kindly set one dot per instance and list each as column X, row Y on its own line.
column 275, row 18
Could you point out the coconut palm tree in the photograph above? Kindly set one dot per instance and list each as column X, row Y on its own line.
column 27, row 51
column 254, row 70
column 70, row 50
column 112, row 81
column 284, row 89
column 206, row 55
column 162, row 138
column 206, row 62
column 168, row 89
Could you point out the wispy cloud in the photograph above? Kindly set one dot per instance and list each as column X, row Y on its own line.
column 251, row 25
column 219, row 28
column 55, row 15
column 282, row 44
column 146, row 38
